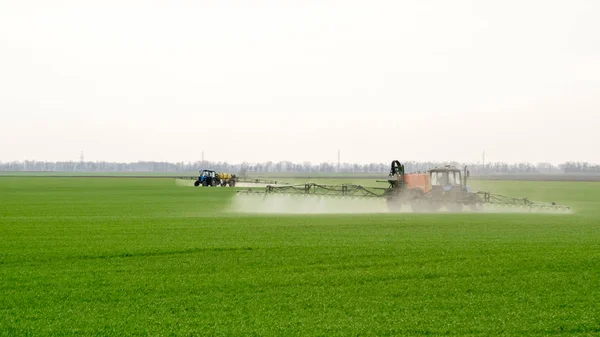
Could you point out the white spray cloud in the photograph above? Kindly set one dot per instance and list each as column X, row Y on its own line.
column 300, row 204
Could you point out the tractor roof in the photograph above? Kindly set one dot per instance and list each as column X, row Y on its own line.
column 446, row 168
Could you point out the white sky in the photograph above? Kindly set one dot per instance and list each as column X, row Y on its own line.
column 296, row 80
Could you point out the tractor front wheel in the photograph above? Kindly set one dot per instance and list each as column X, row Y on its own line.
column 197, row 183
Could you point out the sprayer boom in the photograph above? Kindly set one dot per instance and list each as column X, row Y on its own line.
column 322, row 190
column 429, row 191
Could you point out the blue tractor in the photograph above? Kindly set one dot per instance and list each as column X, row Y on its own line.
column 212, row 178
column 207, row 178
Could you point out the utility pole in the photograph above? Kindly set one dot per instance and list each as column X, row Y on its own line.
column 81, row 161
column 338, row 166
column 483, row 160
column 202, row 159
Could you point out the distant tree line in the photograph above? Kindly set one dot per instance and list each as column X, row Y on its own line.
column 288, row 166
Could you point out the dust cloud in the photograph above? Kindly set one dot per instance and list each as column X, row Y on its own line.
column 184, row 182
column 299, row 204
column 254, row 185
column 491, row 208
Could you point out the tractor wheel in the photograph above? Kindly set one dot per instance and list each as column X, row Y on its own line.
column 394, row 204
column 423, row 205
column 433, row 206
column 455, row 207
column 204, row 183
column 213, row 183
column 232, row 183
column 419, row 205
column 197, row 183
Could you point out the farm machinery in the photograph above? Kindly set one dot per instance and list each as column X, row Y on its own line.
column 212, row 178
column 436, row 189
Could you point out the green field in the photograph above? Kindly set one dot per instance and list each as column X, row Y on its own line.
column 146, row 257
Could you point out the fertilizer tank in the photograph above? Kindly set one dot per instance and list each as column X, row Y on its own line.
column 418, row 180
column 224, row 176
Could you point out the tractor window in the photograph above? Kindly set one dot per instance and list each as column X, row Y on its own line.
column 454, row 178
column 445, row 178
column 439, row 178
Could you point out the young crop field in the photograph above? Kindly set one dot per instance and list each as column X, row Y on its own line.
column 148, row 257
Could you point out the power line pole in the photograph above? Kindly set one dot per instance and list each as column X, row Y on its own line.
column 338, row 166
column 81, row 161
column 483, row 160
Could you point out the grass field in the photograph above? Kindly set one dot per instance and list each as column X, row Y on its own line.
column 145, row 257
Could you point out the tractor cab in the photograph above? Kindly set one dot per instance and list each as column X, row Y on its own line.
column 448, row 178
column 208, row 173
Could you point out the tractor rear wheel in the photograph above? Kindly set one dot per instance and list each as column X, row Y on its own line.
column 197, row 183
column 419, row 205
column 454, row 207
column 435, row 206
column 394, row 204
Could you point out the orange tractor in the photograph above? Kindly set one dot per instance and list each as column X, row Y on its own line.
column 430, row 191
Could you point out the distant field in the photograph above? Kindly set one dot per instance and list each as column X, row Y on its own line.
column 147, row 257
column 190, row 173
column 296, row 176
column 541, row 177
column 96, row 174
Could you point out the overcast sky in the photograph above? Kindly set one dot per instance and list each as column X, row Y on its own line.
column 297, row 80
